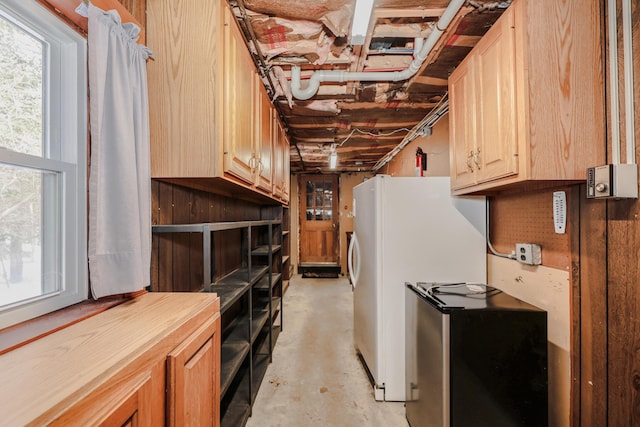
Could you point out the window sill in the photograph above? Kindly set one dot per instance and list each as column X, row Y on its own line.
column 23, row 333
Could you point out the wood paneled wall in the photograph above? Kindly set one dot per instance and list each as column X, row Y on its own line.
column 608, row 323
column 589, row 316
column 176, row 261
column 528, row 218
column 621, row 327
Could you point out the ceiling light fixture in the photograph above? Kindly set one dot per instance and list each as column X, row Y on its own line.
column 361, row 18
column 333, row 160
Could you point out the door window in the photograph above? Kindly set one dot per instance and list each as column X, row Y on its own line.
column 319, row 196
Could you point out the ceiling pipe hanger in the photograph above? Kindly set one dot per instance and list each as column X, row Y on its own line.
column 343, row 76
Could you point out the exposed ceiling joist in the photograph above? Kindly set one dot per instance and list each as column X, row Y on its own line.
column 310, row 33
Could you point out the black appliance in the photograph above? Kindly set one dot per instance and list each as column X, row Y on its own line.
column 476, row 357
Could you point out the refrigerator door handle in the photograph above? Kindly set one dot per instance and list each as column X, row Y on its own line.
column 354, row 252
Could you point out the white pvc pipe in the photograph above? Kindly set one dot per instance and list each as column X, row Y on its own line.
column 612, row 23
column 343, row 76
column 629, row 113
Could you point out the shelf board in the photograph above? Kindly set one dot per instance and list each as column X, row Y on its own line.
column 260, row 317
column 236, row 414
column 263, row 250
column 263, row 284
column 264, row 347
column 209, row 226
column 241, row 276
column 275, row 302
column 285, row 233
column 276, row 308
column 263, row 302
column 237, row 331
column 285, row 258
column 228, row 293
column 231, row 357
column 274, row 316
column 260, row 365
column 276, row 333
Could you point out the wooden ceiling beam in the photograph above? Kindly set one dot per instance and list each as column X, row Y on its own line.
column 408, row 13
column 394, row 105
column 444, row 39
column 464, row 40
column 360, row 125
column 433, row 81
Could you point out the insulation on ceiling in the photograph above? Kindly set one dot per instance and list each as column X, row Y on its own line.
column 363, row 121
column 334, row 14
column 280, row 37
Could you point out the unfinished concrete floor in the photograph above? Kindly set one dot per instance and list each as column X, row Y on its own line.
column 316, row 378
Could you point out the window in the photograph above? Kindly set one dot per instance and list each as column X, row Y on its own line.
column 43, row 132
column 319, row 195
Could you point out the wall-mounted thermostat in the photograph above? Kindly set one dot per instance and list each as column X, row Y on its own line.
column 617, row 181
column 560, row 211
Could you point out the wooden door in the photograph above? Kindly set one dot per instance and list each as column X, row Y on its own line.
column 193, row 379
column 319, row 219
column 239, row 151
column 496, row 90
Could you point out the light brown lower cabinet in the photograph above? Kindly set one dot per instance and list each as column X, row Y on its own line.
column 193, row 393
column 152, row 361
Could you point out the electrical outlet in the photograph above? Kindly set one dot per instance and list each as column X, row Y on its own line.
column 529, row 253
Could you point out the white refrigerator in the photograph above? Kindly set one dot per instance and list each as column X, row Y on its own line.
column 406, row 230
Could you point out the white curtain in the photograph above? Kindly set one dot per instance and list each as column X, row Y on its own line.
column 120, row 183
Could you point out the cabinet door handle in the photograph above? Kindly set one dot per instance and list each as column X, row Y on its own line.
column 469, row 162
column 476, row 159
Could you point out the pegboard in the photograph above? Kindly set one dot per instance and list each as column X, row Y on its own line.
column 528, row 218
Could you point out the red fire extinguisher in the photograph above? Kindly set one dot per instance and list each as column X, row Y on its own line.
column 421, row 162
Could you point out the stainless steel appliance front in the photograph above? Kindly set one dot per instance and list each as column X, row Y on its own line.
column 427, row 364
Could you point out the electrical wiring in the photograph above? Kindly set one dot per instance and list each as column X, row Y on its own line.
column 489, row 245
column 412, row 134
column 415, row 131
column 439, row 110
column 354, row 130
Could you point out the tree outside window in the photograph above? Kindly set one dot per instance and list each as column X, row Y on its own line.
column 21, row 130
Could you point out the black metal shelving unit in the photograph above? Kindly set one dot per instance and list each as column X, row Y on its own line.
column 250, row 306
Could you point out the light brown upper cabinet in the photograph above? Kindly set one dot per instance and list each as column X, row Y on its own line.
column 240, row 119
column 210, row 114
column 281, row 161
column 264, row 142
column 186, row 87
column 286, row 187
column 527, row 103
